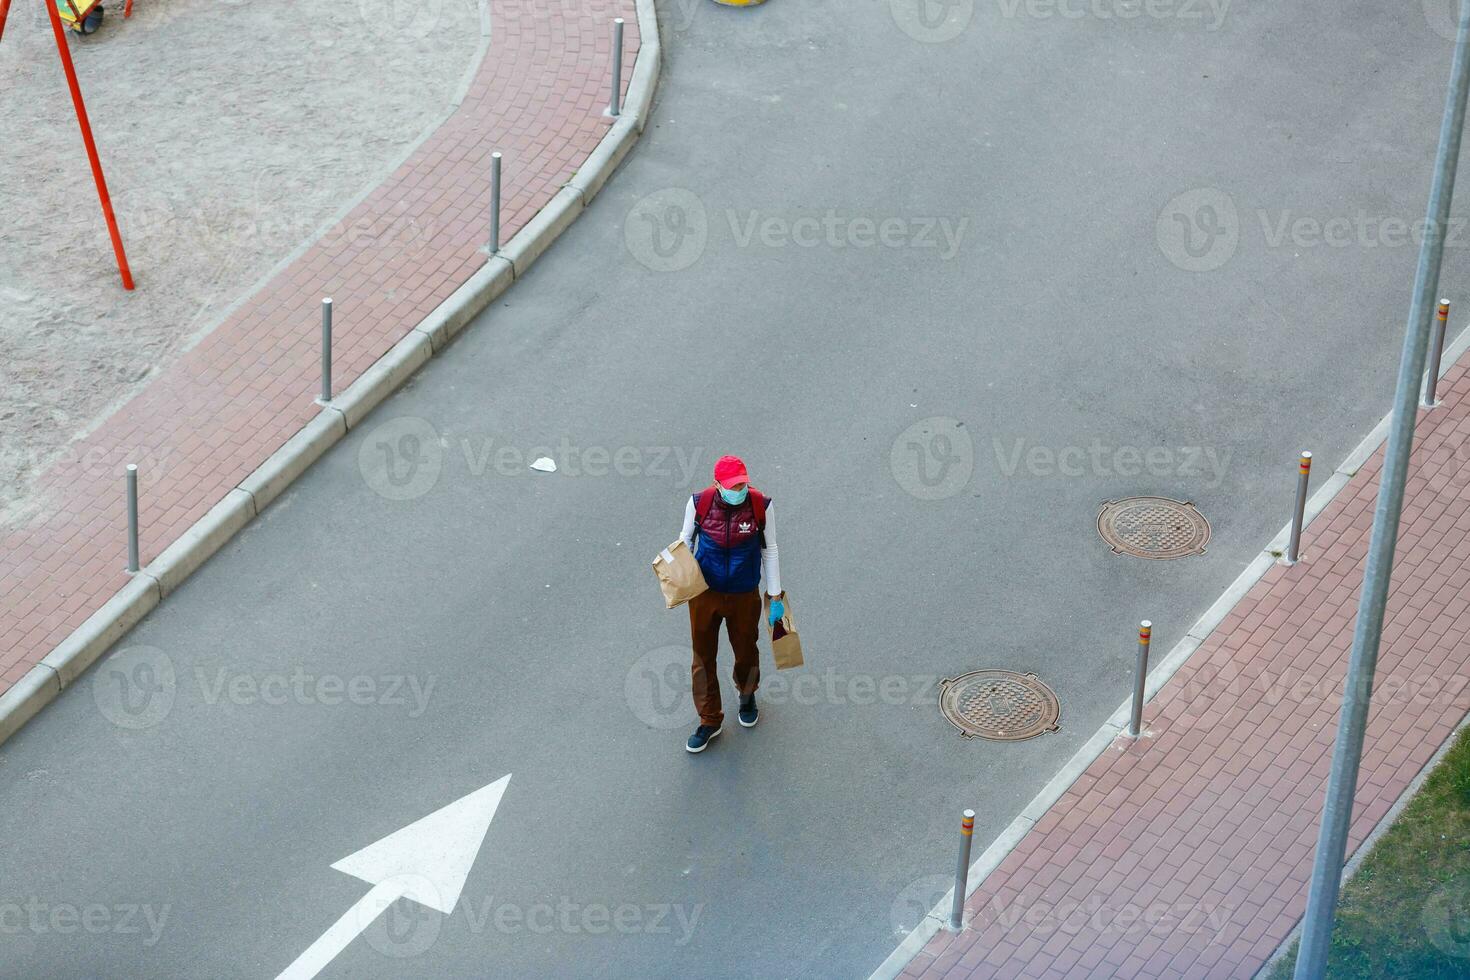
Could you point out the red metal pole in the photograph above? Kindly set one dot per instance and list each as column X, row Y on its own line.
column 76, row 98
column 4, row 12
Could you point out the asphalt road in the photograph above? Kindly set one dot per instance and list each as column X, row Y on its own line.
column 422, row 614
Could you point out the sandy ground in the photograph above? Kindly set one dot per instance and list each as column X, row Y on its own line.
column 230, row 131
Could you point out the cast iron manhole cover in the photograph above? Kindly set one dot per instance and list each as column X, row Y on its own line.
column 999, row 704
column 1153, row 527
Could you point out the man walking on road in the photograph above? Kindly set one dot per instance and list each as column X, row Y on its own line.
column 737, row 540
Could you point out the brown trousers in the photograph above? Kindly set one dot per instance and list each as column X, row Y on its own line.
column 741, row 613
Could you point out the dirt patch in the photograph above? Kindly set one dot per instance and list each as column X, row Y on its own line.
column 231, row 131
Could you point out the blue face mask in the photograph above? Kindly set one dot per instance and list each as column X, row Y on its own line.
column 733, row 497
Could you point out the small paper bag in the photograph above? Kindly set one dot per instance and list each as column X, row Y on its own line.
column 785, row 643
column 678, row 574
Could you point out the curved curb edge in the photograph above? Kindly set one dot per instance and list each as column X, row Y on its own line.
column 60, row 668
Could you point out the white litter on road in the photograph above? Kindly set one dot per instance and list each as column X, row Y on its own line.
column 544, row 464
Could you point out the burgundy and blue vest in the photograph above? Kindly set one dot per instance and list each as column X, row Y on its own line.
column 728, row 545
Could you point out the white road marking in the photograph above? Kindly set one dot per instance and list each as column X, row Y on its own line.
column 427, row 862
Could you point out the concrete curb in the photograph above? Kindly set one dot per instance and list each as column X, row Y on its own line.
column 61, row 667
column 592, row 175
column 386, row 376
column 538, row 234
column 36, row 689
column 493, row 278
column 195, row 546
column 282, row 467
column 639, row 100
column 937, row 918
column 102, row 629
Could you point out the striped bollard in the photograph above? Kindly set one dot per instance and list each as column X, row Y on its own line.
column 1145, row 633
column 1436, row 352
column 962, row 871
column 1299, row 512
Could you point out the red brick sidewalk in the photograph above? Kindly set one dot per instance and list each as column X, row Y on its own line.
column 222, row 408
column 1188, row 853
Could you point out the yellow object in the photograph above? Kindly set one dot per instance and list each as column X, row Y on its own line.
column 741, row 3
column 74, row 12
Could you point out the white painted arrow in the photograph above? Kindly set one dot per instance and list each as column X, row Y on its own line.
column 427, row 861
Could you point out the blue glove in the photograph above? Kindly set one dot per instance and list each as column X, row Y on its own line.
column 778, row 610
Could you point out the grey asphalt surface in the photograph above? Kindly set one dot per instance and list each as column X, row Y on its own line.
column 520, row 606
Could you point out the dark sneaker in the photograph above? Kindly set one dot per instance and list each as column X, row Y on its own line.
column 749, row 713
column 701, row 737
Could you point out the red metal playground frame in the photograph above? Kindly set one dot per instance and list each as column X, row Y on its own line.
column 64, row 52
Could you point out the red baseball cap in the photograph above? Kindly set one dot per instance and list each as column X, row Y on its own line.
column 729, row 471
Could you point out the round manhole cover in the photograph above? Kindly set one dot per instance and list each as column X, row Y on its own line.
column 999, row 704
column 1153, row 527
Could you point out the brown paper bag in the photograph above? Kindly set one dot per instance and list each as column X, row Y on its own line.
column 678, row 574
column 785, row 643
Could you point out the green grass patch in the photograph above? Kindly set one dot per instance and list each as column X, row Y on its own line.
column 1406, row 913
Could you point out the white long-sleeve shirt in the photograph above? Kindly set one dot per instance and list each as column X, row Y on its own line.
column 770, row 557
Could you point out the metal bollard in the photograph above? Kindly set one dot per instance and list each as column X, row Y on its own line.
column 962, row 871
column 326, row 350
column 494, row 203
column 1135, row 723
column 132, row 517
column 1299, row 512
column 1436, row 352
column 614, row 105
